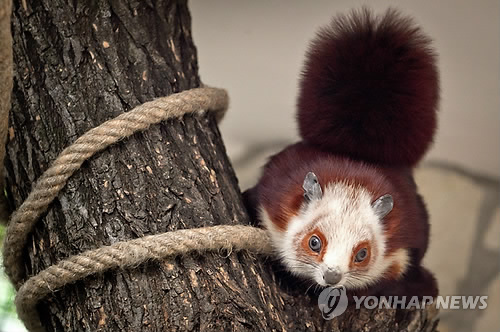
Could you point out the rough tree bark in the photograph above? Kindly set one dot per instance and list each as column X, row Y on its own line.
column 79, row 63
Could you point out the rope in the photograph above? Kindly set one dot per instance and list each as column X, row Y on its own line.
column 125, row 254
column 122, row 254
column 54, row 179
column 5, row 91
column 132, row 253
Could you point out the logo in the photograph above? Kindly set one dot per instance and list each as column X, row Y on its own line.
column 416, row 302
column 332, row 302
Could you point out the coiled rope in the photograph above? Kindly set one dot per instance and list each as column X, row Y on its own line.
column 97, row 139
column 122, row 254
column 5, row 90
column 125, row 254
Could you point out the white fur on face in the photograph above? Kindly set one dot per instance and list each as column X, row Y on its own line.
column 345, row 217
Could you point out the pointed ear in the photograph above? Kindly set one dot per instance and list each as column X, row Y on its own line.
column 383, row 205
column 312, row 189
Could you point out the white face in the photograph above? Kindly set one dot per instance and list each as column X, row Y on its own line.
column 337, row 239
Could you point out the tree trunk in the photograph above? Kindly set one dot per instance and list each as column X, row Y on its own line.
column 80, row 63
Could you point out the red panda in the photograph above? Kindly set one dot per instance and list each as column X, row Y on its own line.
column 341, row 206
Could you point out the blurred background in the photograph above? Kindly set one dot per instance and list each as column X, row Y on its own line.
column 255, row 50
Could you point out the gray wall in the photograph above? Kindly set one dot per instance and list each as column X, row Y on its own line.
column 255, row 49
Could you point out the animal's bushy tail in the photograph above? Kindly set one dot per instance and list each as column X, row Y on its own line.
column 370, row 89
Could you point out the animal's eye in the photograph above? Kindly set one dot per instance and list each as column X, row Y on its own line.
column 361, row 255
column 315, row 243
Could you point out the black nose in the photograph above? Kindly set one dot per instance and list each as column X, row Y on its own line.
column 332, row 277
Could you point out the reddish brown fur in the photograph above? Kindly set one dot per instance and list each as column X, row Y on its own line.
column 280, row 193
column 367, row 114
column 370, row 89
column 394, row 271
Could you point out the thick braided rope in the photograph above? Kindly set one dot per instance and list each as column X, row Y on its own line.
column 132, row 253
column 5, row 91
column 54, row 179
